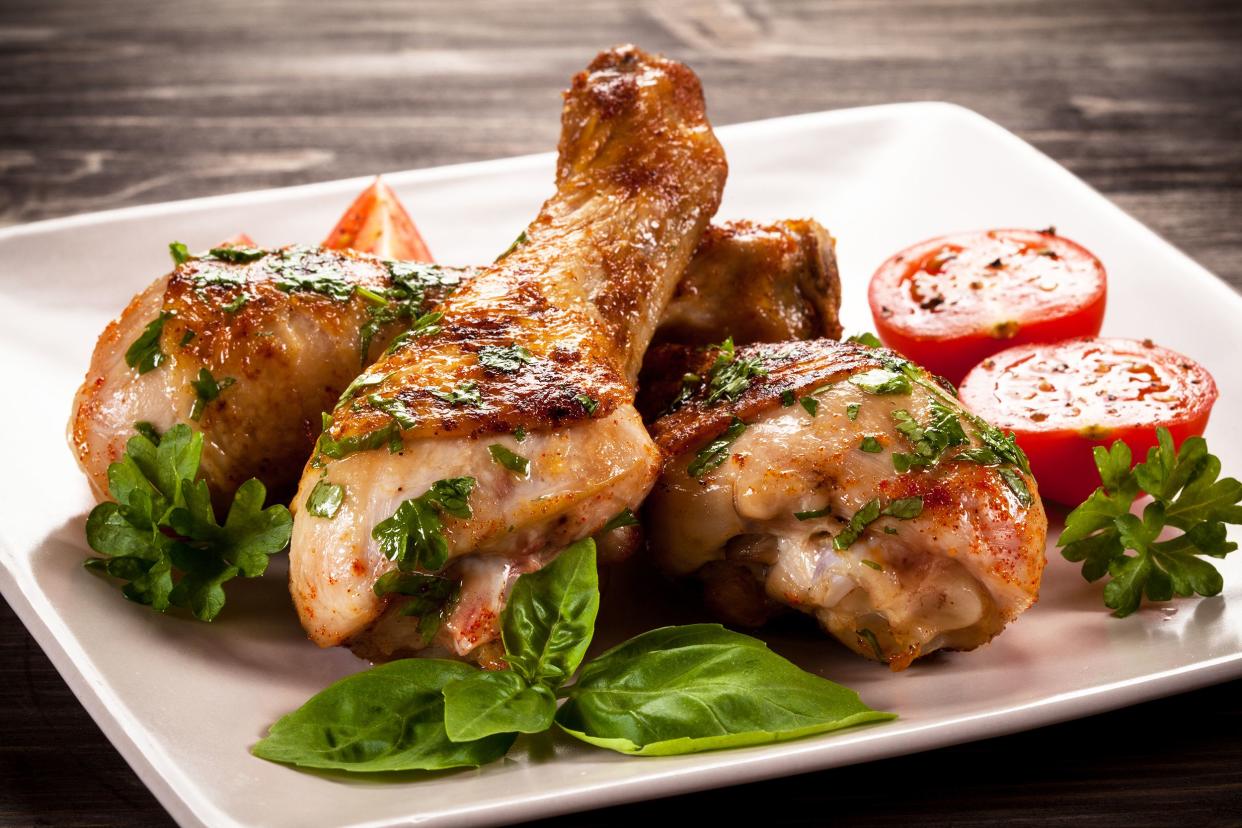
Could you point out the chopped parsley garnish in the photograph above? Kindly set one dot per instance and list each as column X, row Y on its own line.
column 866, row 338
column 236, row 303
column 206, row 390
column 161, row 537
column 903, row 508
column 466, row 393
column 389, row 435
column 882, row 381
column 187, row 337
column 716, row 452
column 851, row 411
column 730, row 376
column 414, row 535
column 506, row 360
column 426, row 325
column 145, row 354
column 237, row 255
column 430, row 597
column 519, row 434
column 393, row 407
column 363, row 381
column 871, row 445
column 521, row 239
column 589, row 404
column 179, row 252
column 870, row 564
column 325, row 283
column 405, row 299
column 814, row 513
column 788, row 397
column 325, row 499
column 810, row 404
column 1186, row 495
column 874, row 643
column 930, row 440
column 623, row 518
column 515, row 463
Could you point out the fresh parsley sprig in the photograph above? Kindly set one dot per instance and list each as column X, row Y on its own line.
column 1187, row 494
column 414, row 535
column 160, row 534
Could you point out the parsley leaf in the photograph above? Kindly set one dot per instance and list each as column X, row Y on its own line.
column 730, row 376
column 623, row 518
column 589, row 404
column 866, row 338
column 161, row 535
column 851, row 411
column 1187, row 494
column 515, row 463
column 414, row 535
column 716, row 452
column 506, row 360
column 871, row 445
column 145, row 354
column 325, row 499
column 237, row 255
column 467, row 393
column 430, row 597
column 788, row 397
column 810, row 404
column 930, row 440
column 206, row 390
column 882, row 381
column 179, row 252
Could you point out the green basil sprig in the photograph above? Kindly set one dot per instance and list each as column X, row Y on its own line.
column 669, row 691
column 701, row 687
column 387, row 719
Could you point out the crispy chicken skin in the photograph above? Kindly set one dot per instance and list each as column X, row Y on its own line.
column 757, row 283
column 288, row 350
column 639, row 176
column 292, row 351
column 950, row 577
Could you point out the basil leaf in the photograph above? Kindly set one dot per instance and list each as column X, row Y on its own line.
column 484, row 704
column 701, row 687
column 325, row 499
column 547, row 625
column 389, row 718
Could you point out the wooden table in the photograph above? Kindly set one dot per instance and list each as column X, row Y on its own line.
column 104, row 104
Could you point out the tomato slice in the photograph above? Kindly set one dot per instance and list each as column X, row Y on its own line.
column 377, row 223
column 948, row 302
column 1061, row 399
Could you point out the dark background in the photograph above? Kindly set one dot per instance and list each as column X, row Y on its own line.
column 104, row 104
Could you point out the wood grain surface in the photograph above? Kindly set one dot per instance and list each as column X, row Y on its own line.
column 105, row 104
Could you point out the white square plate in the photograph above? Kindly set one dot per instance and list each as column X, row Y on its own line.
column 182, row 701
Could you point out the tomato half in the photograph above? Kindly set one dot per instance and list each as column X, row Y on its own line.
column 1063, row 398
column 377, row 223
column 948, row 302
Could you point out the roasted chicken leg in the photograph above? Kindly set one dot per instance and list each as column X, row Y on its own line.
column 480, row 448
column 844, row 482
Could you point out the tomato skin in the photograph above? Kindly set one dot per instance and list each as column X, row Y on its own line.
column 377, row 223
column 1046, row 288
column 1010, row 391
